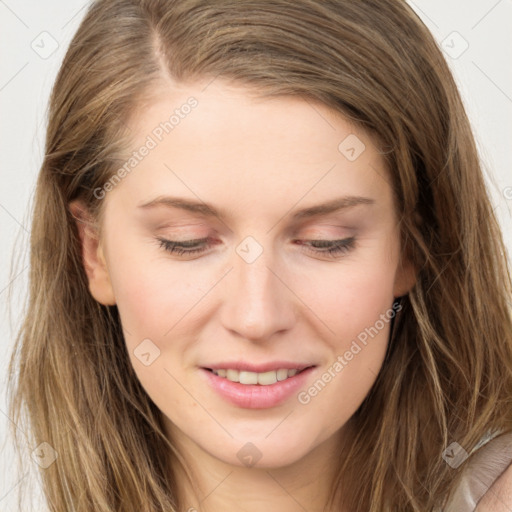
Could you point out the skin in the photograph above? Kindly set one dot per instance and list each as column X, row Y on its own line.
column 260, row 161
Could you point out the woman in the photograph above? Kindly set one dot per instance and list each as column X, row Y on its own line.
column 265, row 270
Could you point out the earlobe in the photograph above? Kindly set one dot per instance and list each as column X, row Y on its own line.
column 93, row 258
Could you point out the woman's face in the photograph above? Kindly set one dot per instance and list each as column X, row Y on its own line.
column 265, row 187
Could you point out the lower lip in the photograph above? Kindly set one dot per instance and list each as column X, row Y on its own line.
column 255, row 396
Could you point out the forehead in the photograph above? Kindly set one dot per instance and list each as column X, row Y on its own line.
column 201, row 114
column 217, row 142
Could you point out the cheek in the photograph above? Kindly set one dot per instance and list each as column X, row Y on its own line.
column 355, row 303
column 147, row 295
column 157, row 298
column 153, row 300
column 354, row 298
column 140, row 299
column 352, row 306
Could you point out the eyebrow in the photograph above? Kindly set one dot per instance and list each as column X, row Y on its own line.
column 208, row 210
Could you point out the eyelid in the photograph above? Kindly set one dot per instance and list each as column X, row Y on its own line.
column 333, row 249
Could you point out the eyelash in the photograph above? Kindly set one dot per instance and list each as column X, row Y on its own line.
column 333, row 248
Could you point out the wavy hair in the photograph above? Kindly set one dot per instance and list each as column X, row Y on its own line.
column 447, row 375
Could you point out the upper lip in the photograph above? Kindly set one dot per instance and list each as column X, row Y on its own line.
column 258, row 368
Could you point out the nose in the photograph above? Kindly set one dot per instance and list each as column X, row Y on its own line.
column 258, row 301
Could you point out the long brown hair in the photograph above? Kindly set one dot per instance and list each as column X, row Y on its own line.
column 448, row 373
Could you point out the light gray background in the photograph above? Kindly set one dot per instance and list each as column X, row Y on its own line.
column 34, row 37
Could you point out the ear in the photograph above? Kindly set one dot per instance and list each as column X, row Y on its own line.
column 93, row 258
column 406, row 275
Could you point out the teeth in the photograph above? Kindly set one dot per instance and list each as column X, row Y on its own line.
column 282, row 374
column 248, row 378
column 263, row 379
column 267, row 378
column 233, row 375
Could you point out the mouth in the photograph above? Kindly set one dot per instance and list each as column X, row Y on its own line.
column 249, row 389
column 266, row 378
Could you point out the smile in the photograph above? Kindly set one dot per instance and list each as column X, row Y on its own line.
column 263, row 379
column 258, row 390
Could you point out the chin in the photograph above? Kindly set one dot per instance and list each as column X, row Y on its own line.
column 260, row 453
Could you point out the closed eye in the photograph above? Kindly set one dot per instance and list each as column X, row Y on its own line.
column 330, row 248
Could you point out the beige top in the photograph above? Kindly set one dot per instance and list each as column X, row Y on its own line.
column 485, row 467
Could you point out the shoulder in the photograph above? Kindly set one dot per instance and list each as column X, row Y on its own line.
column 499, row 496
column 486, row 482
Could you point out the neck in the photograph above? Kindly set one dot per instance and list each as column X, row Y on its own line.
column 304, row 485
